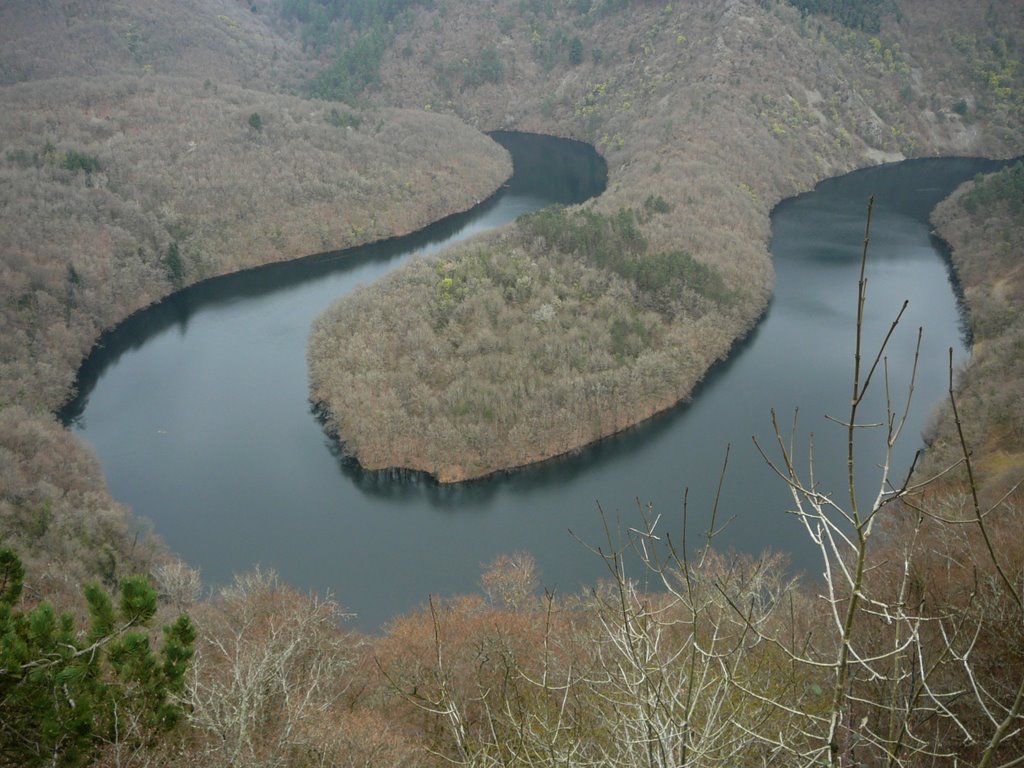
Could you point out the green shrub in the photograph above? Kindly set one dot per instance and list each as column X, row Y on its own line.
column 79, row 161
column 865, row 15
column 347, row 120
column 64, row 693
column 616, row 243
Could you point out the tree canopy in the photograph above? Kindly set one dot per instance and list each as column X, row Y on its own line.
column 65, row 694
column 866, row 15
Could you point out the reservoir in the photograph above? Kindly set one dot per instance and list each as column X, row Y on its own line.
column 198, row 407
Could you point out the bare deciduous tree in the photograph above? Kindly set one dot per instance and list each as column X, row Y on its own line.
column 892, row 659
column 509, row 580
column 268, row 672
column 178, row 584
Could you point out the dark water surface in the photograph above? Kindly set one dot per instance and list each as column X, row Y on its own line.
column 198, row 407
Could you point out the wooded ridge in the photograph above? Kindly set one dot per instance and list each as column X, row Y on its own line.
column 718, row 110
column 983, row 223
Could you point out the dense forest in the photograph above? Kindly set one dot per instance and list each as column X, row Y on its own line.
column 119, row 191
column 147, row 145
column 679, row 100
column 982, row 224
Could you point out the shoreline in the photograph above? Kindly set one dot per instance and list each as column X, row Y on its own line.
column 455, row 473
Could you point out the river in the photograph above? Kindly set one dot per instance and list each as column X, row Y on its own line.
column 198, row 407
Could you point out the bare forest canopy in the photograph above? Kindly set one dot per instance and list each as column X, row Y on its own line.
column 120, row 189
column 984, row 226
column 143, row 147
column 147, row 144
column 718, row 110
column 505, row 355
column 356, row 35
column 866, row 15
column 219, row 40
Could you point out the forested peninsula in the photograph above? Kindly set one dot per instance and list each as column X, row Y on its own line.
column 147, row 145
column 573, row 325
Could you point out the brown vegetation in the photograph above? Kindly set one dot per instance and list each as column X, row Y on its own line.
column 908, row 651
column 519, row 349
column 125, row 177
column 983, row 223
column 709, row 661
column 54, row 510
column 220, row 40
column 180, row 186
column 720, row 109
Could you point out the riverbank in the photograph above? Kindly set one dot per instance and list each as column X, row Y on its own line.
column 275, row 680
column 983, row 223
column 519, row 347
column 121, row 190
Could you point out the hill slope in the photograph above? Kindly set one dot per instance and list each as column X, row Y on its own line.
column 123, row 185
column 709, row 111
column 984, row 226
column 221, row 40
column 145, row 146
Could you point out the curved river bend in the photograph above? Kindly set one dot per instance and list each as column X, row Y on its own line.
column 198, row 407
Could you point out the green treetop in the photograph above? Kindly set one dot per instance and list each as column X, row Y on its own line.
column 64, row 693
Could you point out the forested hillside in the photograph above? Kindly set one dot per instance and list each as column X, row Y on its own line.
column 143, row 147
column 147, row 145
column 712, row 112
column 121, row 189
column 984, row 226
column 219, row 40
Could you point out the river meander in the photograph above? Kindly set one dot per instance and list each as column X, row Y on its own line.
column 198, row 407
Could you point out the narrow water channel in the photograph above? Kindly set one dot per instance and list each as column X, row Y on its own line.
column 198, row 407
